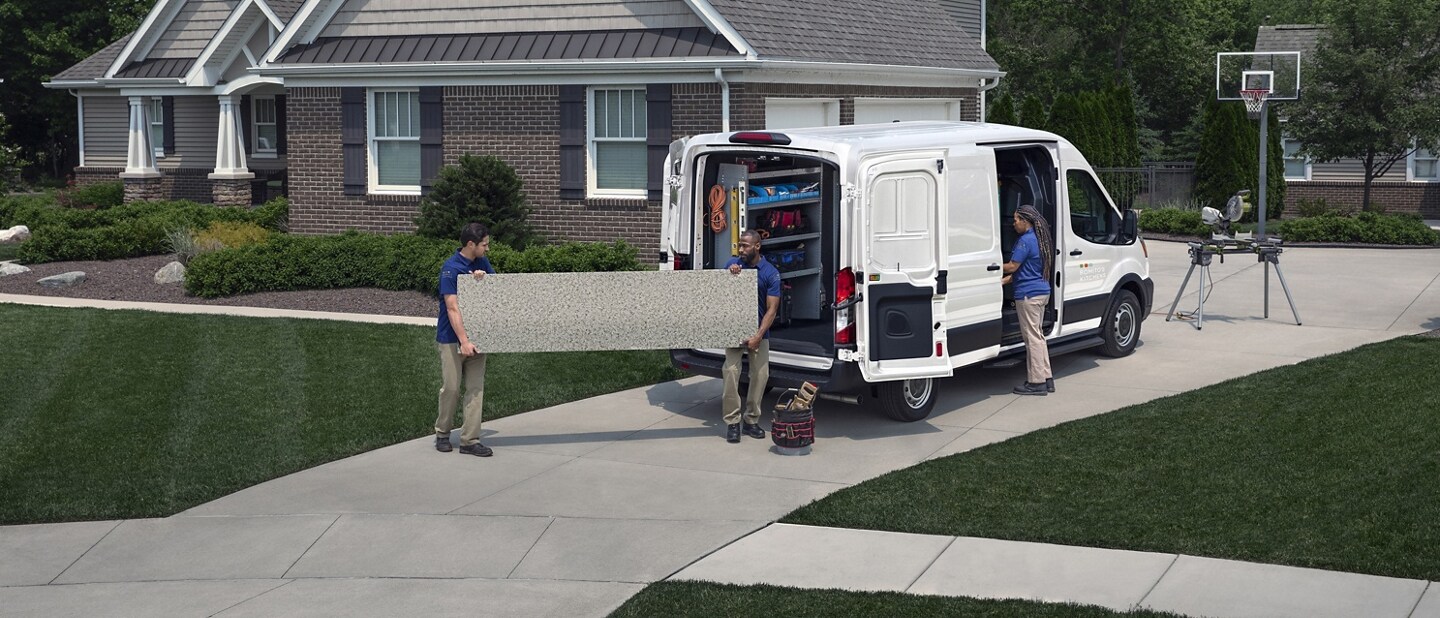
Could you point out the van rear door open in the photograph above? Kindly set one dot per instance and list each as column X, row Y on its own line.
column 901, row 238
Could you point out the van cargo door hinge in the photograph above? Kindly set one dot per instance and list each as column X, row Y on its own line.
column 849, row 356
column 851, row 192
column 940, row 166
column 674, row 180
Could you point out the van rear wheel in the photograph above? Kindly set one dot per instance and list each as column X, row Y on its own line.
column 1121, row 330
column 907, row 400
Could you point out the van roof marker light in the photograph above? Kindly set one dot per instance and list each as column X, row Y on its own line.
column 760, row 137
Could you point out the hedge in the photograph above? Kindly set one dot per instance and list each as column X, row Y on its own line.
column 131, row 230
column 1365, row 227
column 356, row 259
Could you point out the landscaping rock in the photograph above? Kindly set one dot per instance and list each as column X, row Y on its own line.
column 11, row 268
column 18, row 233
column 63, row 280
column 173, row 272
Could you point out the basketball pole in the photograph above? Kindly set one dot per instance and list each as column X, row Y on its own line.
column 1264, row 168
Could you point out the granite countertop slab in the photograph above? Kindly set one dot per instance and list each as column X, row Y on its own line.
column 643, row 310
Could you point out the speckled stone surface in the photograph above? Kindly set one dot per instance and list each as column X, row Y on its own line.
column 649, row 310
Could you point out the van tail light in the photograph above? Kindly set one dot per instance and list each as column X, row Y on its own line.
column 844, row 290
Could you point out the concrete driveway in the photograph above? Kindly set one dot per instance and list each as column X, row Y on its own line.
column 585, row 503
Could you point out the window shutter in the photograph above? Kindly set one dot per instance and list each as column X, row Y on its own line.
column 352, row 139
column 432, row 135
column 280, row 124
column 168, row 105
column 246, row 135
column 572, row 142
column 657, row 137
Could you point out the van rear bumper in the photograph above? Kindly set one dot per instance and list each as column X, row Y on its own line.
column 842, row 377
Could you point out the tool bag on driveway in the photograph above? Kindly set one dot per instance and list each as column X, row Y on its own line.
column 793, row 427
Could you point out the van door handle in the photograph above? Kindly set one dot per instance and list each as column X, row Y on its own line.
column 993, row 267
column 1076, row 252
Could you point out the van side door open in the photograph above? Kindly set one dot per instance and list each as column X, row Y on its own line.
column 900, row 329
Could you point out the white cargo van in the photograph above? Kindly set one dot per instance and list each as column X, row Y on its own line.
column 890, row 240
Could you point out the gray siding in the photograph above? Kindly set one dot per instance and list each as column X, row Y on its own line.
column 192, row 28
column 400, row 17
column 196, row 121
column 1352, row 170
column 107, row 127
column 967, row 13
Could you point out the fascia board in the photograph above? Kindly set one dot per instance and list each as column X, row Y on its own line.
column 717, row 23
column 196, row 76
column 270, row 14
column 69, row 84
column 828, row 70
column 143, row 32
column 296, row 25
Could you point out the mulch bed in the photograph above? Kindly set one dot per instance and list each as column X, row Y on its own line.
column 134, row 280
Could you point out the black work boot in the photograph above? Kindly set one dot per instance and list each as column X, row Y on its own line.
column 732, row 433
column 1028, row 388
column 477, row 449
column 753, row 430
column 442, row 444
column 1049, row 385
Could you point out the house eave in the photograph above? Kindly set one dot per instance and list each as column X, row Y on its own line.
column 532, row 67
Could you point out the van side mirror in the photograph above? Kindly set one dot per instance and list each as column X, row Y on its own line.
column 1130, row 226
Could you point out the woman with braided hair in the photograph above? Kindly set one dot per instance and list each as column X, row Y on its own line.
column 1030, row 265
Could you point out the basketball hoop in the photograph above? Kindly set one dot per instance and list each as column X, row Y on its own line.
column 1254, row 100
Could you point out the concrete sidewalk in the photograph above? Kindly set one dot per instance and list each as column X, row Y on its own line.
column 586, row 502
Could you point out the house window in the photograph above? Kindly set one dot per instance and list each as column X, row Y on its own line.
column 266, row 137
column 1297, row 166
column 617, row 142
column 157, row 125
column 1425, row 165
column 395, row 141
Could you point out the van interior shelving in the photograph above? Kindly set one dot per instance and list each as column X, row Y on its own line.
column 792, row 202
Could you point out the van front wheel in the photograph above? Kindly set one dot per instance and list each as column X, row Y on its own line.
column 907, row 400
column 1121, row 330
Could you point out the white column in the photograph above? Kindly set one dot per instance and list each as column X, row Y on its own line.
column 140, row 154
column 230, row 143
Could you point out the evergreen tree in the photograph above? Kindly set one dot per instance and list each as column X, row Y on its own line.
column 1065, row 118
column 483, row 189
column 1274, row 169
column 1229, row 158
column 1002, row 111
column 1032, row 113
column 1126, row 125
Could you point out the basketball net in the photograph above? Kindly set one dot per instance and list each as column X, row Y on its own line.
column 1254, row 100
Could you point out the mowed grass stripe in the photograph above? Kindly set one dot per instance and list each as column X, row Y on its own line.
column 123, row 414
column 1333, row 463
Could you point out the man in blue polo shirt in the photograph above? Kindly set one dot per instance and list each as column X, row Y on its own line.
column 757, row 345
column 461, row 367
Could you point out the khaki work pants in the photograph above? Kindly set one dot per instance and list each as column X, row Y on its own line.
column 458, row 373
column 759, row 376
column 1032, row 314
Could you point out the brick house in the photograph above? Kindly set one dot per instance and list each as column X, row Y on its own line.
column 1410, row 186
column 582, row 98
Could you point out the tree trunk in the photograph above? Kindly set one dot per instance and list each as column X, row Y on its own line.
column 1369, row 178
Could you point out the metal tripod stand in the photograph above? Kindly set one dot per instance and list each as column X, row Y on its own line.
column 1200, row 255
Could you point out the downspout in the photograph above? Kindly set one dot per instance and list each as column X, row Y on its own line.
column 724, row 101
column 983, row 89
column 80, row 116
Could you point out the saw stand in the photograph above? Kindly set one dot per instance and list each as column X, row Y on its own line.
column 1267, row 252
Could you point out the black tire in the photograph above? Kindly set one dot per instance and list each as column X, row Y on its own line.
column 1121, row 329
column 907, row 400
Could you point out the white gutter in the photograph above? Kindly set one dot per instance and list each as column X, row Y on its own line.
column 986, row 88
column 530, row 67
column 724, row 100
column 80, row 115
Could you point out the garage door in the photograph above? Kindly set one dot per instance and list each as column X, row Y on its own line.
column 794, row 113
column 871, row 111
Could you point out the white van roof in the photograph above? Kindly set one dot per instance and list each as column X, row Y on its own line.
column 896, row 136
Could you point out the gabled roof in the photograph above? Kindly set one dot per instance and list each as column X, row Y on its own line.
column 285, row 9
column 603, row 44
column 904, row 33
column 94, row 67
column 1296, row 37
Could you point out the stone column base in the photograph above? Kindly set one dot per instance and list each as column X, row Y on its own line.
column 144, row 189
column 230, row 191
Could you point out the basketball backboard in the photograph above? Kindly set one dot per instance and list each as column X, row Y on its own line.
column 1278, row 72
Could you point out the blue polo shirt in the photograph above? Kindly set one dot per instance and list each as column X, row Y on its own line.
column 768, row 284
column 452, row 269
column 1030, row 279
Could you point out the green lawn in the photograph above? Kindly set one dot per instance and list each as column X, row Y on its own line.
column 1333, row 463
column 703, row 600
column 121, row 414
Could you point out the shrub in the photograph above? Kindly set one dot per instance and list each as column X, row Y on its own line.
column 1317, row 207
column 129, row 230
column 354, row 259
column 1366, row 227
column 97, row 195
column 230, row 234
column 182, row 244
column 1173, row 221
column 483, row 189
